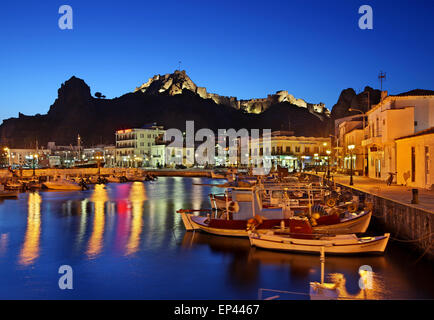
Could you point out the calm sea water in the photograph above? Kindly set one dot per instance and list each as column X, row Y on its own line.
column 125, row 241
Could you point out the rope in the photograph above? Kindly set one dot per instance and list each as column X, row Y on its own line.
column 423, row 254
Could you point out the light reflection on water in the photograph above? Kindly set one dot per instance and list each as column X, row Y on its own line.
column 30, row 249
column 126, row 241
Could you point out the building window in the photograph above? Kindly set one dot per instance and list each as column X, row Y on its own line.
column 306, row 150
column 297, row 149
column 288, row 149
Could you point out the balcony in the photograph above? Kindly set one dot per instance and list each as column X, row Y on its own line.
column 371, row 141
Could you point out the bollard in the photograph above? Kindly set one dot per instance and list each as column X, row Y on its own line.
column 415, row 199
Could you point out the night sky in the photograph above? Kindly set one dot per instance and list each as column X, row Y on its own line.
column 248, row 49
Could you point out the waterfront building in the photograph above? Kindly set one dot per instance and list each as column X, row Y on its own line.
column 394, row 117
column 110, row 156
column 349, row 131
column 294, row 152
column 353, row 137
column 26, row 158
column 414, row 161
column 163, row 155
column 134, row 146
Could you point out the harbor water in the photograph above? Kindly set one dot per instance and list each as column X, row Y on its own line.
column 126, row 241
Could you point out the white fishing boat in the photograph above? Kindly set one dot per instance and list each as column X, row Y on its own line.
column 8, row 193
column 218, row 174
column 11, row 185
column 113, row 179
column 300, row 238
column 62, row 184
column 246, row 209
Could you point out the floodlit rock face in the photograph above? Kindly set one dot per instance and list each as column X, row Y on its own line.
column 174, row 83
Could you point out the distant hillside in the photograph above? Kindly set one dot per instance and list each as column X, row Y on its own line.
column 75, row 111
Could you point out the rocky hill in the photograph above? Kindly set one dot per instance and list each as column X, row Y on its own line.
column 350, row 99
column 75, row 111
column 174, row 83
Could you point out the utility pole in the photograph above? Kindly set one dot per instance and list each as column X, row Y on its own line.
column 382, row 77
column 179, row 65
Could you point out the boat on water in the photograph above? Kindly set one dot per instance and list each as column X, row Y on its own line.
column 218, row 174
column 13, row 185
column 300, row 237
column 246, row 210
column 8, row 194
column 113, row 179
column 63, row 184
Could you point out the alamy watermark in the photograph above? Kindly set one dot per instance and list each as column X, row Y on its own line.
column 365, row 281
column 65, row 21
column 366, row 21
column 235, row 147
column 66, row 280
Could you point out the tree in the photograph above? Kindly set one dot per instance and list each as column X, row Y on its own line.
column 99, row 95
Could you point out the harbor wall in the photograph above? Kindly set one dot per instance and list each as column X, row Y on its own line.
column 405, row 223
column 5, row 174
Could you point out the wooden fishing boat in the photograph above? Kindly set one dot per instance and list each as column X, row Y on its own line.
column 218, row 174
column 246, row 209
column 62, row 184
column 356, row 223
column 13, row 185
column 8, row 194
column 301, row 238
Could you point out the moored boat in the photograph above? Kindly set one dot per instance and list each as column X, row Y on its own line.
column 62, row 184
column 246, row 208
column 301, row 238
column 8, row 194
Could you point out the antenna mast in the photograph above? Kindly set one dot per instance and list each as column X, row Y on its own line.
column 382, row 77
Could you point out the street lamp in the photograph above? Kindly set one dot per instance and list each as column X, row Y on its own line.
column 351, row 148
column 328, row 164
column 34, row 157
column 316, row 162
column 9, row 155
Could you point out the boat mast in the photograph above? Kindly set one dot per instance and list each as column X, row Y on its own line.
column 79, row 147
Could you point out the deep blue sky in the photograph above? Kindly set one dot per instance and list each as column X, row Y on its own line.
column 248, row 49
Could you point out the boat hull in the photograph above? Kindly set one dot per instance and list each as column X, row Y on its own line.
column 370, row 245
column 59, row 186
column 8, row 194
column 192, row 222
column 358, row 224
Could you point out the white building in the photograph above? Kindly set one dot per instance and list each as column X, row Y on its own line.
column 134, row 146
column 165, row 156
column 395, row 117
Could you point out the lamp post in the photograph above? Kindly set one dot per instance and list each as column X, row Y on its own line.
column 364, row 137
column 316, row 162
column 34, row 157
column 328, row 164
column 9, row 155
column 351, row 148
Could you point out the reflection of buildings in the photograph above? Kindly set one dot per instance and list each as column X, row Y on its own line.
column 99, row 198
column 30, row 250
column 137, row 198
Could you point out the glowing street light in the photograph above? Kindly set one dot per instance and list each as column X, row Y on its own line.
column 351, row 148
column 328, row 162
